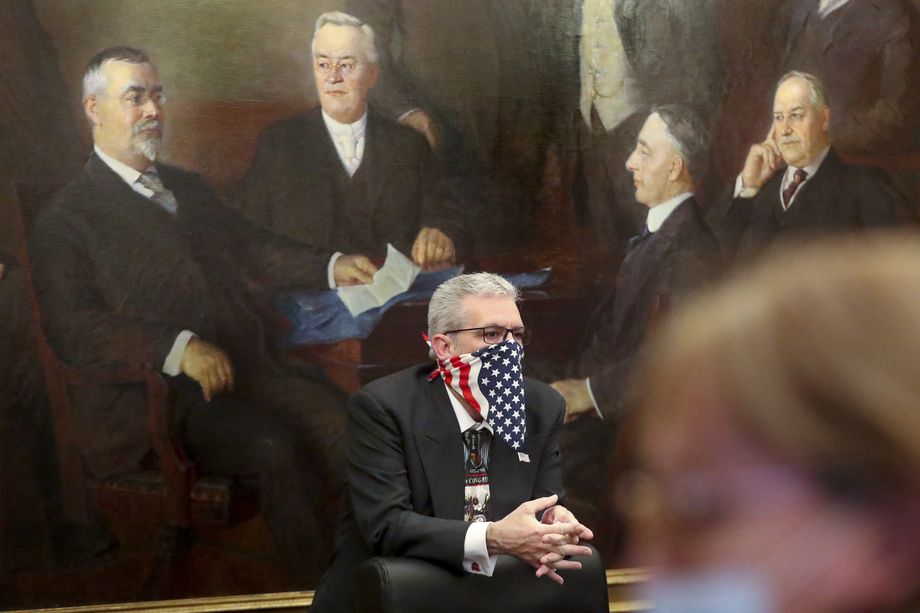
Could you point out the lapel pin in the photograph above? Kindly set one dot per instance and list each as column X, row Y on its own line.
column 523, row 457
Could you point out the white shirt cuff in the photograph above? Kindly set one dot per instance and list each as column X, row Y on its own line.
column 744, row 192
column 476, row 558
column 330, row 270
column 591, row 396
column 172, row 365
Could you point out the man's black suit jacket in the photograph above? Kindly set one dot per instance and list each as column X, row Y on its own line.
column 118, row 278
column 840, row 197
column 657, row 274
column 291, row 187
column 406, row 469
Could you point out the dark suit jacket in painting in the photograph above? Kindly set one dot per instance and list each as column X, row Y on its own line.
column 406, row 470
column 118, row 278
column 297, row 186
column 839, row 198
column 657, row 273
column 865, row 54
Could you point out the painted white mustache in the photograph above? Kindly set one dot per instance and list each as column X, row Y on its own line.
column 789, row 140
column 150, row 124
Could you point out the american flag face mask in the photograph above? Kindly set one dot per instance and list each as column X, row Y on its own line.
column 491, row 381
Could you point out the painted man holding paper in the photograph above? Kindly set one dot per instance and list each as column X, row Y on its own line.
column 342, row 177
column 138, row 263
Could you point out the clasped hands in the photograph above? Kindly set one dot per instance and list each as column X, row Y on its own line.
column 544, row 544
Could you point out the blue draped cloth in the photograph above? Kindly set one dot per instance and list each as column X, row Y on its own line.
column 319, row 317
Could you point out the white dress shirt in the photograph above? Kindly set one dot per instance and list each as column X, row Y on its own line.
column 476, row 558
column 348, row 139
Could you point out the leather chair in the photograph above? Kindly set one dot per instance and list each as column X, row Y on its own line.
column 407, row 585
column 169, row 496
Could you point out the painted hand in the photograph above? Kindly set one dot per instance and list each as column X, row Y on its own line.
column 353, row 270
column 432, row 247
column 577, row 398
column 209, row 366
column 421, row 122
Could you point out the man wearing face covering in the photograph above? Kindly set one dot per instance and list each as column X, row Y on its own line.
column 456, row 462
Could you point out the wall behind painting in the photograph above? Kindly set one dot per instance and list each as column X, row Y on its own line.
column 229, row 67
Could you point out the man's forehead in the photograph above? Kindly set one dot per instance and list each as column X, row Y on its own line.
column 654, row 131
column 124, row 74
column 490, row 310
column 335, row 41
column 794, row 92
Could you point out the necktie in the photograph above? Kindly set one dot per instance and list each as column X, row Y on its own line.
column 476, row 480
column 161, row 195
column 797, row 179
column 638, row 238
column 349, row 144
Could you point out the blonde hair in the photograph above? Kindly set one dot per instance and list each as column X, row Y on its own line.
column 817, row 354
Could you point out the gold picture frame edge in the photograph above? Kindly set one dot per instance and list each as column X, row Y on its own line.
column 280, row 601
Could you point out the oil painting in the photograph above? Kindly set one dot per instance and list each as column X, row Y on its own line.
column 183, row 183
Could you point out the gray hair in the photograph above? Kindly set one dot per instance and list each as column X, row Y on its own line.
column 94, row 80
column 338, row 18
column 688, row 135
column 445, row 311
column 818, row 93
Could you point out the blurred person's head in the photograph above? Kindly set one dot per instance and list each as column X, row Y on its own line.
column 779, row 437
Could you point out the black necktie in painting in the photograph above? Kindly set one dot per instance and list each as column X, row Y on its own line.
column 638, row 238
column 797, row 179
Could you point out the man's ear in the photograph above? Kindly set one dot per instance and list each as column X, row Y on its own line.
column 91, row 108
column 373, row 77
column 677, row 167
column 826, row 122
column 442, row 346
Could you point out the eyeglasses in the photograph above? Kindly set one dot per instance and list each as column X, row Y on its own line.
column 329, row 67
column 492, row 335
column 139, row 99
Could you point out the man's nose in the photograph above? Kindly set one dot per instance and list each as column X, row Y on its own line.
column 334, row 76
column 150, row 108
column 630, row 164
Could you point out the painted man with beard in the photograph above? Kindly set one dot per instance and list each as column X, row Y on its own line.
column 139, row 263
column 794, row 186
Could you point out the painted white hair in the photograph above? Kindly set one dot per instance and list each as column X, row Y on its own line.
column 338, row 18
column 94, row 81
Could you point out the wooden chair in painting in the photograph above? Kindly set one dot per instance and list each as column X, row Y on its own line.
column 171, row 495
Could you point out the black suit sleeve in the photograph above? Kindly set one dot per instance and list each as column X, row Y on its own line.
column 549, row 473
column 442, row 205
column 381, row 494
column 85, row 329
column 254, row 194
column 267, row 259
